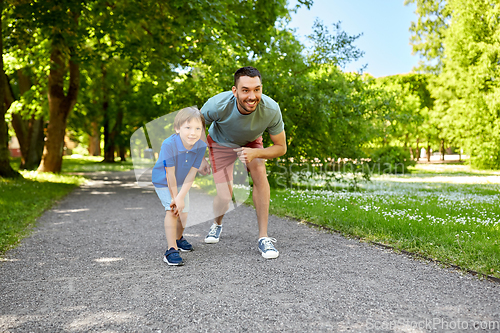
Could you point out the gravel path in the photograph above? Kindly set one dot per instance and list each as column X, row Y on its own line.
column 94, row 263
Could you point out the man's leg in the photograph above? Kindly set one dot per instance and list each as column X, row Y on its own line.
column 222, row 200
column 261, row 193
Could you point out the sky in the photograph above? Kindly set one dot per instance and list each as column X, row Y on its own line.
column 383, row 23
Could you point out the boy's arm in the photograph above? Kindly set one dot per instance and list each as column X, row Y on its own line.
column 188, row 182
column 172, row 183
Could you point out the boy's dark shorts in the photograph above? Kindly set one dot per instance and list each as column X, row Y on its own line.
column 223, row 158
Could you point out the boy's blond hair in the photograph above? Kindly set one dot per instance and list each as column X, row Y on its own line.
column 187, row 114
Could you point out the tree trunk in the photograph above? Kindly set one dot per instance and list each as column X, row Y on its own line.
column 5, row 168
column 36, row 143
column 417, row 155
column 95, row 140
column 441, row 150
column 29, row 133
column 109, row 137
column 123, row 153
column 428, row 152
column 60, row 105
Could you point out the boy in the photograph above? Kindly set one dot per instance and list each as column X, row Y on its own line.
column 173, row 174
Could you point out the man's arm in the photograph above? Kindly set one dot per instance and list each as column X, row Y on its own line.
column 247, row 155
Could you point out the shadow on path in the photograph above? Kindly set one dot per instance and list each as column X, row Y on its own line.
column 94, row 263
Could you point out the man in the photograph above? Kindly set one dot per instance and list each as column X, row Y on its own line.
column 237, row 120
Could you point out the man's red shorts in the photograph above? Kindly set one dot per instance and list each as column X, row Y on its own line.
column 223, row 158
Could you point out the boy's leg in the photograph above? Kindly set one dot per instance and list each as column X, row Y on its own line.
column 181, row 224
column 171, row 229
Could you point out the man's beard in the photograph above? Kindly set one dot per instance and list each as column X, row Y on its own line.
column 241, row 104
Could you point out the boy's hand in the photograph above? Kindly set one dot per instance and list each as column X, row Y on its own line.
column 204, row 167
column 246, row 155
column 173, row 207
column 179, row 206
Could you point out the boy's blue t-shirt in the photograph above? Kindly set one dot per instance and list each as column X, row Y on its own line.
column 173, row 154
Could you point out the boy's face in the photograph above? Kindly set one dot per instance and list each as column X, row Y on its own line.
column 248, row 93
column 190, row 132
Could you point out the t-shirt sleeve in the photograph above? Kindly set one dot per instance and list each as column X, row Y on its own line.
column 276, row 125
column 167, row 154
column 200, row 154
column 209, row 111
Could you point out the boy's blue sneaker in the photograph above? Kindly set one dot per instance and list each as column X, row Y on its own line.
column 213, row 234
column 267, row 249
column 173, row 258
column 183, row 245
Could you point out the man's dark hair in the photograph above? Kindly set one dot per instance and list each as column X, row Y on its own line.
column 246, row 71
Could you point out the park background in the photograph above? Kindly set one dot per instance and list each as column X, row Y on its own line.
column 82, row 76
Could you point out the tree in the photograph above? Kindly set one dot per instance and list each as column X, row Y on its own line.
column 429, row 32
column 462, row 35
column 410, row 119
column 470, row 88
column 5, row 168
column 155, row 37
column 27, row 123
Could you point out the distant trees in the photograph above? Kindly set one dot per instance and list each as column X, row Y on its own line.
column 461, row 41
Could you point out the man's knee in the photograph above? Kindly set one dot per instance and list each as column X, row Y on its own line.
column 258, row 171
column 224, row 193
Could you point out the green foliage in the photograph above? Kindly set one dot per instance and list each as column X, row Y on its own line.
column 412, row 119
column 129, row 52
column 461, row 37
column 429, row 31
column 391, row 159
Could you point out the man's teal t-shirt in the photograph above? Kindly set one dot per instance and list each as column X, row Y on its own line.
column 229, row 127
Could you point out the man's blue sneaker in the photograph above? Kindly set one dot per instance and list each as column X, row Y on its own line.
column 173, row 258
column 213, row 234
column 183, row 245
column 267, row 249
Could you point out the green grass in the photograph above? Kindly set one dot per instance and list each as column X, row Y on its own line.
column 82, row 164
column 22, row 201
column 455, row 223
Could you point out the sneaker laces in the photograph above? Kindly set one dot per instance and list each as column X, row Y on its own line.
column 213, row 230
column 268, row 243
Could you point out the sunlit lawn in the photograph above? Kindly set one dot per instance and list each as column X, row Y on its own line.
column 452, row 217
column 22, row 201
column 82, row 164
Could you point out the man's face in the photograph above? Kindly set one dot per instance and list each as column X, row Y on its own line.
column 248, row 93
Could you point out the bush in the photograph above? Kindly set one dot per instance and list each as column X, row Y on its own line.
column 391, row 159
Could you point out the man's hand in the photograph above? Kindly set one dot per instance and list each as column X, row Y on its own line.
column 247, row 155
column 204, row 168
